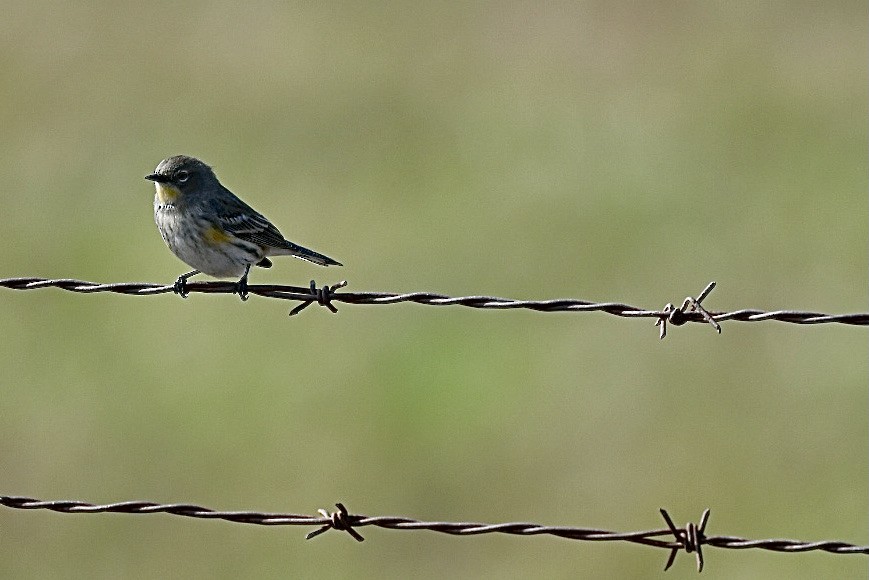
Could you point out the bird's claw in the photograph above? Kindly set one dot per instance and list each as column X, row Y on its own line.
column 241, row 289
column 180, row 287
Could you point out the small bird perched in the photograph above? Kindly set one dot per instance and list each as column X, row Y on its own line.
column 212, row 230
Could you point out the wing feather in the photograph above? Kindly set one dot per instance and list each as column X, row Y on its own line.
column 244, row 222
column 253, row 227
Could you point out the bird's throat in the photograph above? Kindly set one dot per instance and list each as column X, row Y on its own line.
column 166, row 193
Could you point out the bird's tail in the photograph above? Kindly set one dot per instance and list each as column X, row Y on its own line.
column 303, row 253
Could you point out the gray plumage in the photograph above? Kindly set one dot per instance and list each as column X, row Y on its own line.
column 210, row 228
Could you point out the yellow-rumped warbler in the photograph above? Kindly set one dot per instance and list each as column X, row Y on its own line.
column 212, row 230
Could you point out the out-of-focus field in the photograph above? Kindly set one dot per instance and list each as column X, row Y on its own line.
column 606, row 151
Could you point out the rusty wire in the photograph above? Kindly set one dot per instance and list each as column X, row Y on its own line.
column 690, row 310
column 691, row 538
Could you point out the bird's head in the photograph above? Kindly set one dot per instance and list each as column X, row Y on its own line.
column 179, row 175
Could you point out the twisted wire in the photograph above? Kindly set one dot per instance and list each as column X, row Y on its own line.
column 691, row 538
column 690, row 311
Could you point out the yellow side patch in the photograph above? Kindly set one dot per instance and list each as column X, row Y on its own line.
column 167, row 193
column 216, row 235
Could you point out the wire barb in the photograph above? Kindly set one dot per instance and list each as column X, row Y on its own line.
column 339, row 520
column 679, row 316
column 690, row 539
column 323, row 297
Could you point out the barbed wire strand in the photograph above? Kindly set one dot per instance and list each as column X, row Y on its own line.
column 691, row 538
column 691, row 309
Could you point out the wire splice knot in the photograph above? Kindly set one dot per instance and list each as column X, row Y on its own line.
column 338, row 520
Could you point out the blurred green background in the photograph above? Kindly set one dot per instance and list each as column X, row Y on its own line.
column 606, row 151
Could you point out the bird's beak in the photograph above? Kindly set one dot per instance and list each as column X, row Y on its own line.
column 157, row 177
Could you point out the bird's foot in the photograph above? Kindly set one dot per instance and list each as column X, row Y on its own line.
column 241, row 289
column 180, row 286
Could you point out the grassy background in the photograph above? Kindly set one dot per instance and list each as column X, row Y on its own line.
column 610, row 151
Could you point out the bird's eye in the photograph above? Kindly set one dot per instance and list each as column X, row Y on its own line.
column 183, row 176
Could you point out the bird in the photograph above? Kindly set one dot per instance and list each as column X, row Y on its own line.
column 210, row 229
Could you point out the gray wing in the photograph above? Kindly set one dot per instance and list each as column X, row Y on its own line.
column 242, row 221
column 252, row 227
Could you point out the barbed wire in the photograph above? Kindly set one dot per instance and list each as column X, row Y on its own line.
column 691, row 309
column 691, row 538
